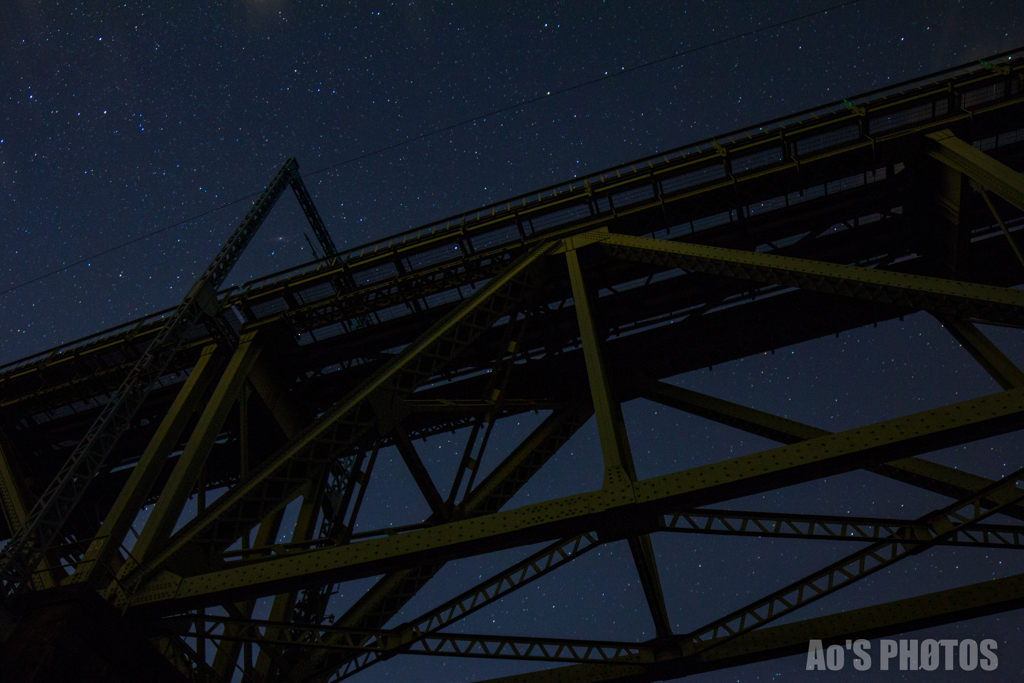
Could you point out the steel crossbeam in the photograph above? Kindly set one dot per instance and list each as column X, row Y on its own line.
column 478, row 597
column 827, row 455
column 961, row 156
column 443, row 644
column 833, row 528
column 898, row 616
column 995, row 363
column 924, row 474
column 915, row 292
column 930, row 530
column 618, row 460
column 771, row 642
column 374, row 646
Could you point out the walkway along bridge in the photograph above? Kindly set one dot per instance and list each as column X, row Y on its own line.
column 569, row 301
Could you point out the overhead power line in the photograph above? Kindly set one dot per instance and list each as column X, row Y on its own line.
column 437, row 131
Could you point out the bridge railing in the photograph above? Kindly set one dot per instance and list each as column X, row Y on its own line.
column 748, row 151
column 815, row 115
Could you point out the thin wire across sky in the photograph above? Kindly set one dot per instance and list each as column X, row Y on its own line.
column 436, row 131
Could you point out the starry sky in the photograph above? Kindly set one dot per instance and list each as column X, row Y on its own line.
column 122, row 121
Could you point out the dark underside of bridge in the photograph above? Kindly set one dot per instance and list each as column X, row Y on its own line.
column 871, row 209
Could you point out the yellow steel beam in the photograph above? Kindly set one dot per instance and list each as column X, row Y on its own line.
column 95, row 566
column 362, row 648
column 834, row 528
column 944, row 202
column 988, row 355
column 933, row 527
column 921, row 473
column 944, row 480
column 611, row 428
column 437, row 644
column 392, row 591
column 387, row 596
column 12, row 499
column 901, row 616
column 419, row 472
column 678, row 652
column 494, row 393
column 728, row 413
column 182, row 481
column 980, row 167
column 228, row 650
column 285, row 474
column 824, row 456
column 492, row 590
column 937, row 295
column 523, row 462
column 642, row 550
column 1002, row 225
column 289, row 418
column 284, row 603
column 422, row 639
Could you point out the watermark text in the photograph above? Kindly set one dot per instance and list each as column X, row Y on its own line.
column 905, row 655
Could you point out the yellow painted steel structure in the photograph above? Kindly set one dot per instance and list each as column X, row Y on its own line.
column 572, row 300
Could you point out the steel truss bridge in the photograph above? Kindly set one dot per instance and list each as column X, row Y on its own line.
column 570, row 301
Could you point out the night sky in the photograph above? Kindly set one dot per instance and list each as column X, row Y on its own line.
column 118, row 122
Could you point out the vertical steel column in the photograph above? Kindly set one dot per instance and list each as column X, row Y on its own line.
column 618, row 461
column 611, row 428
